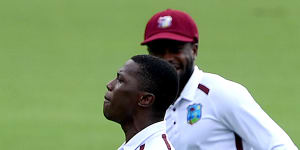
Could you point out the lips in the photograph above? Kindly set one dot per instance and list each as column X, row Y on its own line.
column 176, row 66
column 106, row 99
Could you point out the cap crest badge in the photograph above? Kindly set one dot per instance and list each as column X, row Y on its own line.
column 164, row 22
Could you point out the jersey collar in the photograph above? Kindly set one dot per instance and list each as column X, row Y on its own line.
column 143, row 135
column 190, row 88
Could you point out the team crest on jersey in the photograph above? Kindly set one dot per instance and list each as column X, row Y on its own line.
column 194, row 113
column 164, row 22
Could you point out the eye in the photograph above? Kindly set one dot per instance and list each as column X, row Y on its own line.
column 156, row 52
column 119, row 78
column 175, row 50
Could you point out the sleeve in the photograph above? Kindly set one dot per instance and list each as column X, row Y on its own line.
column 240, row 113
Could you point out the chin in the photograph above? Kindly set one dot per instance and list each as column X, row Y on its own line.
column 106, row 113
column 108, row 117
column 178, row 72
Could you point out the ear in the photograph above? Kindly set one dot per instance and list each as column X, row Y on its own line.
column 195, row 48
column 146, row 99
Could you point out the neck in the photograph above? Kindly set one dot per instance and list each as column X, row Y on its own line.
column 183, row 80
column 137, row 124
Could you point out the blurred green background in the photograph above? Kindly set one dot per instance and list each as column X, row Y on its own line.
column 57, row 56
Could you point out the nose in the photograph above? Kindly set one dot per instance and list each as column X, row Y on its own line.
column 109, row 85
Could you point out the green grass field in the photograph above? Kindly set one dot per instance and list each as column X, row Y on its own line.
column 57, row 56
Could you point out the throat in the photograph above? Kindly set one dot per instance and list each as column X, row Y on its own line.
column 129, row 131
column 183, row 80
column 140, row 123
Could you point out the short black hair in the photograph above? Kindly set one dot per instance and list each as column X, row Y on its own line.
column 158, row 77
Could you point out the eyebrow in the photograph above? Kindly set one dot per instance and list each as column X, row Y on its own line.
column 120, row 74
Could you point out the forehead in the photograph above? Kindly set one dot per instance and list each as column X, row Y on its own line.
column 130, row 68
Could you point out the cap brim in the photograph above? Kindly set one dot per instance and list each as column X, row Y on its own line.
column 168, row 36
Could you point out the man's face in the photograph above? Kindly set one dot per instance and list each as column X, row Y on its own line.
column 121, row 98
column 180, row 54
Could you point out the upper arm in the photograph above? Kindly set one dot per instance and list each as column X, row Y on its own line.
column 237, row 109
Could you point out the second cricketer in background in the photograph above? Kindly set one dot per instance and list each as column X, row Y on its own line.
column 211, row 113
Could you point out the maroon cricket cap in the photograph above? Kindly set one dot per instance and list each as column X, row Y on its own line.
column 173, row 25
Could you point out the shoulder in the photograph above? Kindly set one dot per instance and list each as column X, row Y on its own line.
column 221, row 87
column 159, row 142
column 226, row 94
